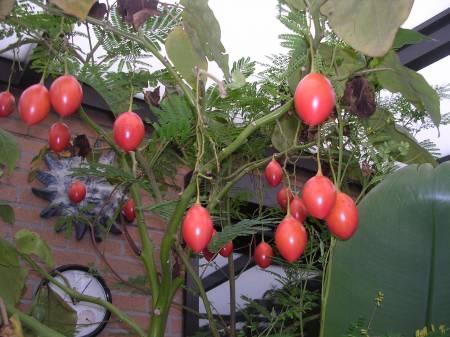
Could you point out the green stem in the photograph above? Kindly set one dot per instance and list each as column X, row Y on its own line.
column 150, row 175
column 32, row 323
column 341, row 145
column 84, row 298
column 201, row 289
column 326, row 282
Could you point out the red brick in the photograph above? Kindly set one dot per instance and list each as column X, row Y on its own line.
column 8, row 193
column 125, row 267
column 30, row 145
column 26, row 197
column 27, row 214
column 18, row 177
column 131, row 302
column 15, row 126
column 64, row 257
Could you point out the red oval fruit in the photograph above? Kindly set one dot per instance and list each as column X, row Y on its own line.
column 298, row 209
column 319, row 195
column 227, row 249
column 128, row 210
column 197, row 228
column 77, row 191
column 314, row 99
column 273, row 173
column 282, row 197
column 128, row 131
column 343, row 218
column 58, row 136
column 34, row 104
column 66, row 95
column 263, row 255
column 290, row 238
column 7, row 103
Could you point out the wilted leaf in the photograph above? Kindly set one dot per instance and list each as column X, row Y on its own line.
column 184, row 56
column 78, row 8
column 381, row 129
column 137, row 12
column 36, row 163
column 7, row 213
column 6, row 6
column 152, row 97
column 407, row 36
column 368, row 26
column 9, row 150
column 13, row 276
column 359, row 97
column 204, row 32
column 411, row 85
column 31, row 243
column 98, row 11
column 285, row 131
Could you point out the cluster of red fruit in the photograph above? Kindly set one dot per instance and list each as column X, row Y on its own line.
column 314, row 102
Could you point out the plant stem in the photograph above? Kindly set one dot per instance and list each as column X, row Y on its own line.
column 150, row 175
column 232, row 282
column 326, row 282
column 201, row 290
column 341, row 145
column 84, row 298
column 32, row 323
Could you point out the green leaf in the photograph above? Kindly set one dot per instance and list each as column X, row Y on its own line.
column 406, row 37
column 78, row 8
column 9, row 150
column 50, row 309
column 410, row 85
column 346, row 60
column 400, row 249
column 31, row 243
column 6, row 6
column 296, row 4
column 12, row 280
column 183, row 55
column 204, row 31
column 242, row 228
column 382, row 129
column 368, row 26
column 285, row 132
column 238, row 80
column 7, row 213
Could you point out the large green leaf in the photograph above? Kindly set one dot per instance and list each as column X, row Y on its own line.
column 78, row 8
column 12, row 275
column 6, row 6
column 204, row 31
column 400, row 249
column 9, row 150
column 368, row 26
column 183, row 55
column 50, row 309
column 406, row 37
column 31, row 243
column 285, row 132
column 410, row 84
column 382, row 130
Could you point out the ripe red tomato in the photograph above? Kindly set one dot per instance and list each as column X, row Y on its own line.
column 58, row 136
column 128, row 210
column 273, row 173
column 66, row 95
column 282, row 197
column 197, row 228
column 128, row 131
column 314, row 99
column 290, row 238
column 298, row 209
column 77, row 191
column 263, row 255
column 343, row 218
column 319, row 195
column 226, row 250
column 7, row 103
column 34, row 104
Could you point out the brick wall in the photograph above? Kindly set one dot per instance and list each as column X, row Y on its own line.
column 15, row 189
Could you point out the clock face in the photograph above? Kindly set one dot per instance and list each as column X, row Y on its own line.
column 92, row 318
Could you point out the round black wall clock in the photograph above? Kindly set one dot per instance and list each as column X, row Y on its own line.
column 91, row 318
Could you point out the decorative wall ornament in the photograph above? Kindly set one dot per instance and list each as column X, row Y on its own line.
column 99, row 209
